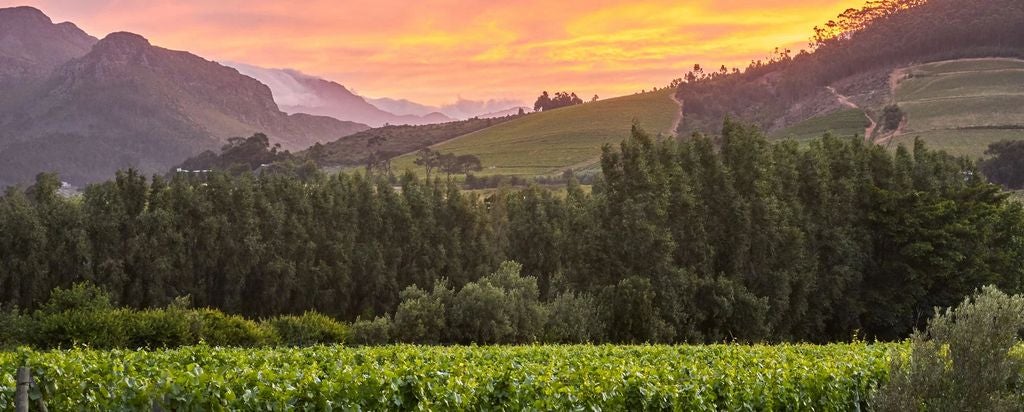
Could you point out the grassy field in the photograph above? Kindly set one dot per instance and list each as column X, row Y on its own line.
column 964, row 112
column 549, row 142
column 962, row 106
column 968, row 65
column 971, row 143
column 841, row 123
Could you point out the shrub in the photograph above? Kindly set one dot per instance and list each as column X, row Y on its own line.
column 101, row 329
column 478, row 316
column 371, row 332
column 629, row 313
column 125, row 328
column 520, row 302
column 81, row 296
column 420, row 318
column 15, row 327
column 83, row 315
column 502, row 307
column 80, row 315
column 310, row 328
column 216, row 328
column 892, row 116
column 963, row 361
column 573, row 319
column 159, row 328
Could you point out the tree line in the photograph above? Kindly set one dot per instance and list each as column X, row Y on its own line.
column 239, row 155
column 388, row 141
column 372, row 149
column 705, row 240
column 449, row 163
column 561, row 99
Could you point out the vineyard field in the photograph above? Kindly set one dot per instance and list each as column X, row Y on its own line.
column 714, row 377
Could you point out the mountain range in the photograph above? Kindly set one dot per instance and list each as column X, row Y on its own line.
column 297, row 92
column 85, row 108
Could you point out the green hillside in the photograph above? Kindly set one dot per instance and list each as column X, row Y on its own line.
column 353, row 150
column 571, row 137
column 963, row 106
column 842, row 123
column 960, row 106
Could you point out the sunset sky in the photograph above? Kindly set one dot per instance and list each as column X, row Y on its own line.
column 436, row 51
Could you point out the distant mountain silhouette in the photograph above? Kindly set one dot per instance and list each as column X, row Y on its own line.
column 461, row 109
column 296, row 92
column 403, row 106
column 125, row 103
column 509, row 112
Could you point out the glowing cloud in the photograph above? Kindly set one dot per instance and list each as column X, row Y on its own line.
column 433, row 51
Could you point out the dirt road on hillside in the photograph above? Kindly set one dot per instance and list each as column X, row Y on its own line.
column 679, row 116
column 845, row 101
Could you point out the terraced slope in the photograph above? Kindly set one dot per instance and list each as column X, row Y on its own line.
column 549, row 142
column 842, row 123
column 962, row 106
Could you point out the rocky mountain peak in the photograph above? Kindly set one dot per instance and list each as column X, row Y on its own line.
column 31, row 45
column 24, row 15
column 121, row 44
column 124, row 39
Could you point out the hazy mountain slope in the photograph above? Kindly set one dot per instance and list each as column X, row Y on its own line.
column 466, row 108
column 31, row 47
column 127, row 103
column 552, row 141
column 403, row 106
column 296, row 92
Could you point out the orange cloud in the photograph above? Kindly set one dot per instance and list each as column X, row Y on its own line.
column 433, row 51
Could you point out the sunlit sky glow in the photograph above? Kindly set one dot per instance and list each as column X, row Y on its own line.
column 434, row 51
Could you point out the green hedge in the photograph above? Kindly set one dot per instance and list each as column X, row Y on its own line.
column 84, row 316
column 125, row 328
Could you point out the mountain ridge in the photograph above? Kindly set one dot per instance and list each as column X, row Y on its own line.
column 32, row 46
column 128, row 103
